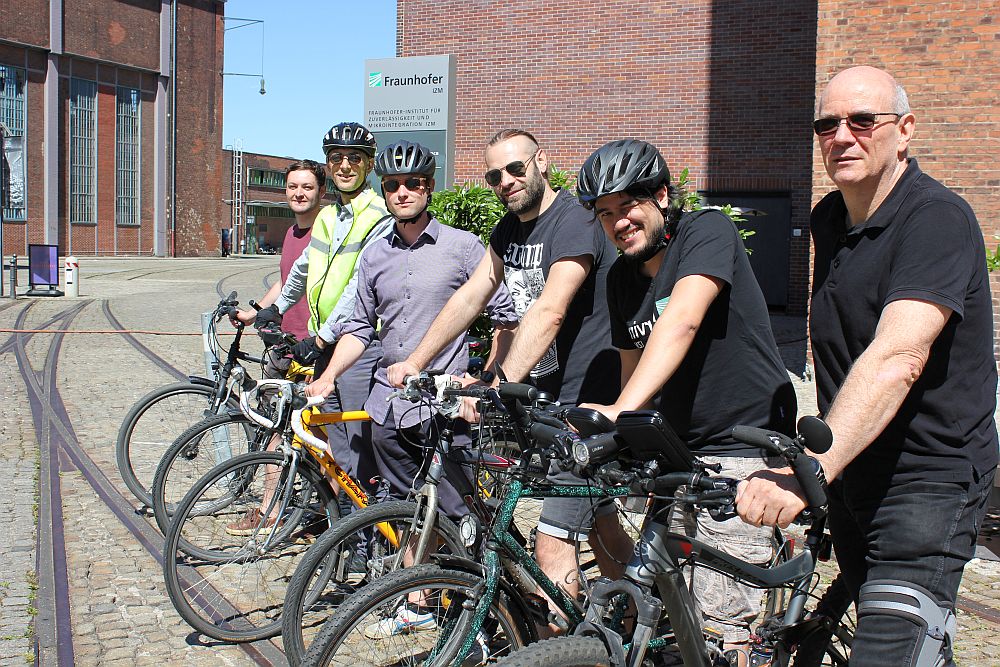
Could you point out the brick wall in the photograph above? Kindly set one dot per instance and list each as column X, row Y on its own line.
column 200, row 214
column 127, row 33
column 696, row 78
column 25, row 22
column 945, row 55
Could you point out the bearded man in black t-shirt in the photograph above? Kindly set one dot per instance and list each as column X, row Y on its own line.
column 554, row 262
column 692, row 328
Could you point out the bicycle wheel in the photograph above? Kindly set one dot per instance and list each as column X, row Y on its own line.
column 560, row 652
column 231, row 586
column 374, row 627
column 353, row 553
column 196, row 451
column 151, row 426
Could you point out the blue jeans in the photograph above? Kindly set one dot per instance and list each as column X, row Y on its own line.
column 919, row 532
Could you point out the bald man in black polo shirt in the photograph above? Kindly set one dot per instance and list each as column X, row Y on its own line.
column 902, row 336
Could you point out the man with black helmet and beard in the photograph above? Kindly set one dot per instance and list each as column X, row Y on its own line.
column 326, row 276
column 696, row 344
column 404, row 279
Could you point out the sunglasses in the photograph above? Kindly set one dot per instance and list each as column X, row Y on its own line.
column 859, row 122
column 517, row 169
column 352, row 158
column 412, row 184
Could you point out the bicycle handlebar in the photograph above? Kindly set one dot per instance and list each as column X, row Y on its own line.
column 813, row 433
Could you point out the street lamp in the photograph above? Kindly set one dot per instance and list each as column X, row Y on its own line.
column 243, row 24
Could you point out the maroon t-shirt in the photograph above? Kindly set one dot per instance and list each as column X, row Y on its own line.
column 296, row 319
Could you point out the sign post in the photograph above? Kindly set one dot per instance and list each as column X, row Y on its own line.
column 414, row 99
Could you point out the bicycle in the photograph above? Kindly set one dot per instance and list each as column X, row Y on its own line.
column 469, row 594
column 512, row 607
column 417, row 520
column 602, row 639
column 152, row 423
column 207, row 569
column 214, row 440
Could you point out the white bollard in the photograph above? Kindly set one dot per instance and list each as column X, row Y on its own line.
column 72, row 276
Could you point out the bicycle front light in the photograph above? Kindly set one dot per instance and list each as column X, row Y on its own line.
column 581, row 454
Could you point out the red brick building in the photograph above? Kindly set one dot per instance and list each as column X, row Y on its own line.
column 725, row 88
column 106, row 162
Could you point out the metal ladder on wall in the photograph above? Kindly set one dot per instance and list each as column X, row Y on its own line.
column 238, row 191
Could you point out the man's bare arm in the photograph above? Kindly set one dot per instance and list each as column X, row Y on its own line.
column 880, row 379
column 870, row 397
column 542, row 321
column 349, row 349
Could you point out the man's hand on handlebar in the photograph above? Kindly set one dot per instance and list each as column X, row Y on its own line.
column 268, row 316
column 609, row 411
column 320, row 387
column 398, row 372
column 770, row 498
column 245, row 317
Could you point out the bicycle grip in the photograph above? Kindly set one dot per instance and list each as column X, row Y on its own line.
column 517, row 391
column 546, row 434
column 759, row 437
column 806, row 474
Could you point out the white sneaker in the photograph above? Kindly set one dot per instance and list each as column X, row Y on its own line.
column 403, row 622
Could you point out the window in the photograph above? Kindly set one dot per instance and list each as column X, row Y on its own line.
column 268, row 178
column 127, row 157
column 82, row 151
column 12, row 111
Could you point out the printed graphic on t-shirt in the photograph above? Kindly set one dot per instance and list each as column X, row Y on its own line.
column 639, row 331
column 525, row 281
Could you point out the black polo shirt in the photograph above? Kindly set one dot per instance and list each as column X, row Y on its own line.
column 922, row 243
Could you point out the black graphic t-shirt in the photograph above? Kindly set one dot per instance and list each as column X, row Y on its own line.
column 577, row 366
column 732, row 374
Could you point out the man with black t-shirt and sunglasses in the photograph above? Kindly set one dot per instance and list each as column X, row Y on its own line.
column 554, row 262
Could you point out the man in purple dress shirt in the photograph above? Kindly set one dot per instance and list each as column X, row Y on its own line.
column 404, row 280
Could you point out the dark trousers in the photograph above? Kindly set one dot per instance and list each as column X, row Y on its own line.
column 351, row 442
column 399, row 454
column 919, row 532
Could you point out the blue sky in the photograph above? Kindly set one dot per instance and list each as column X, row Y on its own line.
column 314, row 54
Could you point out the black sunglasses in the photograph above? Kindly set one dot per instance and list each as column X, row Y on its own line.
column 352, row 158
column 859, row 122
column 517, row 169
column 412, row 184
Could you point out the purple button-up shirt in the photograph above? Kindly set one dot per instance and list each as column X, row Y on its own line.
column 401, row 289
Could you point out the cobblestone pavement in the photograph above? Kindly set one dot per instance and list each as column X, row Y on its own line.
column 118, row 611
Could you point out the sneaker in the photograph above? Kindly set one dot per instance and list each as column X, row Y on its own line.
column 249, row 524
column 407, row 619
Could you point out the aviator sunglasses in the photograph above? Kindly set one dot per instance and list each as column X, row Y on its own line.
column 859, row 122
column 352, row 158
column 412, row 184
column 517, row 169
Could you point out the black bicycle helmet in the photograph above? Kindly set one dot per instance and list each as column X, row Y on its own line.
column 625, row 165
column 350, row 135
column 402, row 158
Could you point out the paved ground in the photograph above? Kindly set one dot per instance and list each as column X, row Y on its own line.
column 80, row 578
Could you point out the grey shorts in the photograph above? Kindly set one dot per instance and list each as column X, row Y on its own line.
column 571, row 518
column 726, row 606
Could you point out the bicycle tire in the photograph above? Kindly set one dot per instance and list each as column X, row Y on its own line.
column 560, row 652
column 311, row 599
column 150, row 427
column 196, row 451
column 236, row 593
column 344, row 634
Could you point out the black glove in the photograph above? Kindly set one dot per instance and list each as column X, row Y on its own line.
column 267, row 318
column 306, row 351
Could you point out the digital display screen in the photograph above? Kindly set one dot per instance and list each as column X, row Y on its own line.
column 43, row 264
